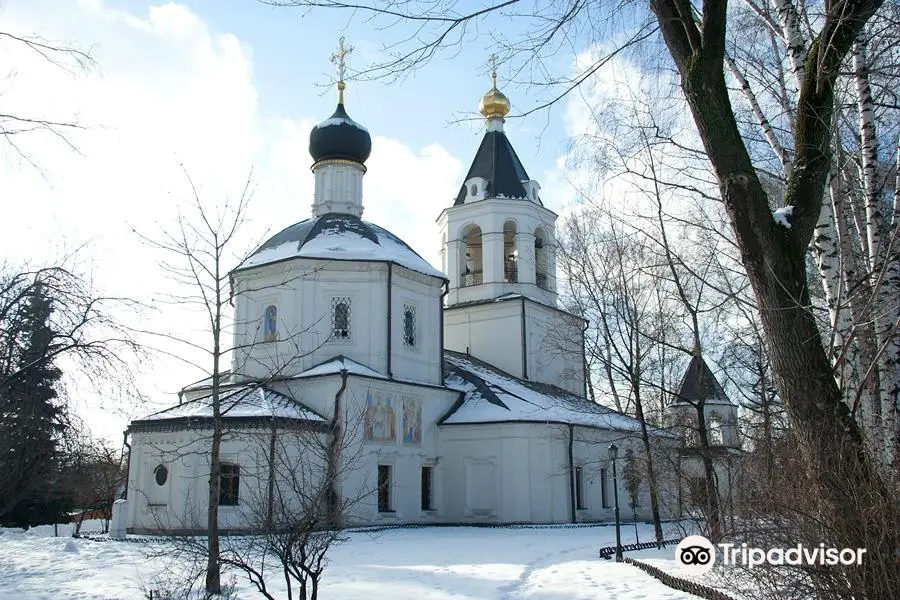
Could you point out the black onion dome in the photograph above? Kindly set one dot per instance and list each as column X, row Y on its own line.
column 340, row 137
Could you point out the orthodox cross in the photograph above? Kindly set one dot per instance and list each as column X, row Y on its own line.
column 340, row 59
column 493, row 60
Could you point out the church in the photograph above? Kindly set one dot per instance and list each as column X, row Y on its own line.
column 369, row 384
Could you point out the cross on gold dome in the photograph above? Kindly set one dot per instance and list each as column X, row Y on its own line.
column 340, row 59
column 494, row 104
column 493, row 59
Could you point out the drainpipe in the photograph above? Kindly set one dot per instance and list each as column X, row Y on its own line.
column 271, row 502
column 389, row 276
column 127, row 460
column 445, row 290
column 333, row 454
column 584, row 367
column 524, row 344
column 572, row 505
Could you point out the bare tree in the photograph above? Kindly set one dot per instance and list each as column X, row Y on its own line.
column 15, row 125
column 94, row 473
column 299, row 512
column 844, row 472
column 81, row 335
column 202, row 250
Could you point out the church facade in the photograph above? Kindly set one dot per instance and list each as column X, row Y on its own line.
column 374, row 387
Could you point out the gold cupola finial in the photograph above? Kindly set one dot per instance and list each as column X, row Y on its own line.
column 494, row 104
column 340, row 59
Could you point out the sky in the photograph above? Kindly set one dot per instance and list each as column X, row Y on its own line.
column 223, row 90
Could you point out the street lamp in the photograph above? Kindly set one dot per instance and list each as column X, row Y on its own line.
column 613, row 454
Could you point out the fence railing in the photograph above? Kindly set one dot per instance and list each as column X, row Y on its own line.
column 677, row 583
column 471, row 278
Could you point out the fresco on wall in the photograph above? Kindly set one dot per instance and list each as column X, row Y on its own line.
column 380, row 418
column 412, row 421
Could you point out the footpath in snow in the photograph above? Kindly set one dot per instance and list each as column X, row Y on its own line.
column 401, row 564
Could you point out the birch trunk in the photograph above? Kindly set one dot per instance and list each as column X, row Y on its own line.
column 826, row 253
column 793, row 38
column 868, row 151
column 761, row 119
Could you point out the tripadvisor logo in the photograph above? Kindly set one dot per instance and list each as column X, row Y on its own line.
column 696, row 555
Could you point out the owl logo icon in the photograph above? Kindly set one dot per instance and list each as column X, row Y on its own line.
column 695, row 555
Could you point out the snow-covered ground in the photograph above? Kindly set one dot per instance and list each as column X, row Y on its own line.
column 416, row 564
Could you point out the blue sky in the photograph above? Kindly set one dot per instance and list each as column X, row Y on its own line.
column 290, row 50
column 217, row 88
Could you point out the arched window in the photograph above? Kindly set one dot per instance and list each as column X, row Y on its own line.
column 229, row 484
column 541, row 260
column 470, row 249
column 510, row 253
column 161, row 475
column 270, row 324
column 409, row 325
column 714, row 430
column 340, row 318
column 474, row 190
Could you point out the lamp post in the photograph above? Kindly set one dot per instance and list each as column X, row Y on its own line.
column 613, row 454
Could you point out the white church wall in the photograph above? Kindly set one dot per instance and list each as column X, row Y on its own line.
column 490, row 332
column 420, row 361
column 509, row 472
column 554, row 348
column 390, row 424
column 549, row 481
column 305, row 291
column 181, row 502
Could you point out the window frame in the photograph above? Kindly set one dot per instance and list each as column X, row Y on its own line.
column 165, row 477
column 230, row 492
column 385, row 505
column 605, row 499
column 409, row 309
column 427, row 493
column 347, row 302
column 579, row 489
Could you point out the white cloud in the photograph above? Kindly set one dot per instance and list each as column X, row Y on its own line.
column 168, row 90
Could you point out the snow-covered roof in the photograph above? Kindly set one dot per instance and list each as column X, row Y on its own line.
column 493, row 396
column 339, row 120
column 243, row 402
column 338, row 364
column 339, row 237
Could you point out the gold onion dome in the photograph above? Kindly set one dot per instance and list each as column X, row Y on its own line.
column 494, row 103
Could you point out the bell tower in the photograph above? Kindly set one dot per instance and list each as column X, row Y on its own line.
column 498, row 238
column 498, row 251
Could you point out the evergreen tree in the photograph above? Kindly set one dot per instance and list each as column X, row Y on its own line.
column 32, row 416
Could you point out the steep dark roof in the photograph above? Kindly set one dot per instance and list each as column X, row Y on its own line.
column 338, row 236
column 497, row 162
column 699, row 383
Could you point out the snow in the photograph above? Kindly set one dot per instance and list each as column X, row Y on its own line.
column 782, row 216
column 246, row 401
column 339, row 364
column 340, row 121
column 523, row 402
column 347, row 245
column 459, row 563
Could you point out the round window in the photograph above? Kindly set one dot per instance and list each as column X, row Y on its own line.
column 162, row 475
